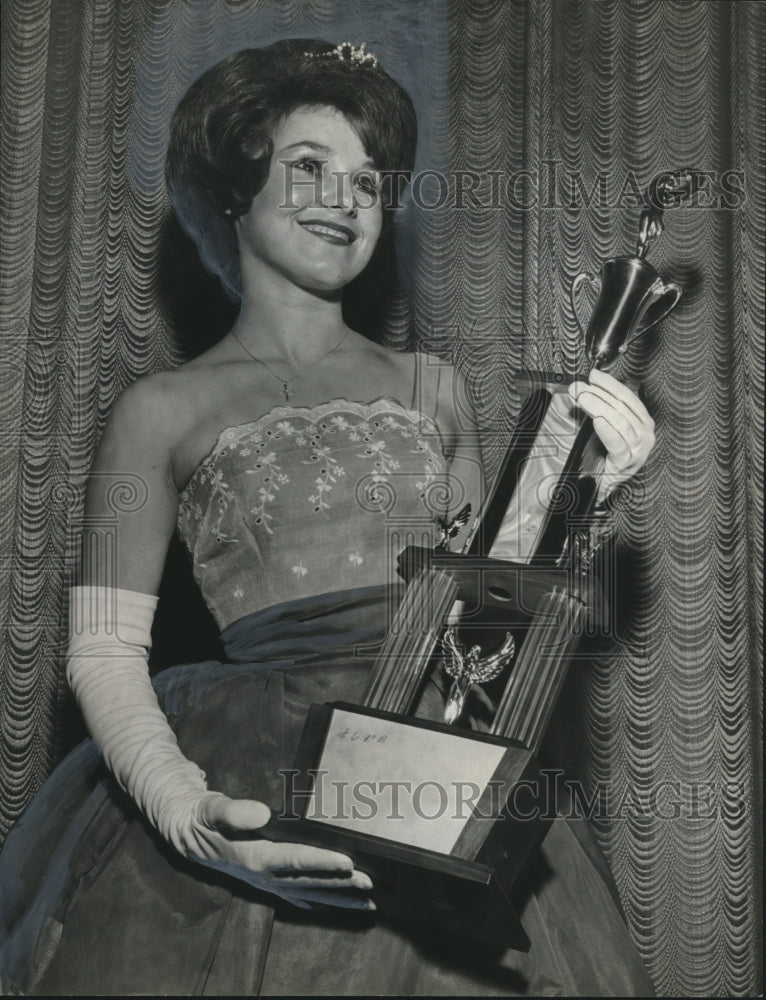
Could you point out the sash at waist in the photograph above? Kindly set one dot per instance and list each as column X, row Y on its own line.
column 302, row 628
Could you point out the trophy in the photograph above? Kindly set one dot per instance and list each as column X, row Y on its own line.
column 448, row 850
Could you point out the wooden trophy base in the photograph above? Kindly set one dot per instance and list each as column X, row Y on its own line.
column 442, row 819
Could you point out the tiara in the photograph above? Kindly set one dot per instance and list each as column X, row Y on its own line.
column 348, row 53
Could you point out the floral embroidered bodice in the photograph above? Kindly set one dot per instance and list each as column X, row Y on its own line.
column 308, row 500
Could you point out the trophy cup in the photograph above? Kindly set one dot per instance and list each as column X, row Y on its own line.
column 555, row 444
column 451, row 859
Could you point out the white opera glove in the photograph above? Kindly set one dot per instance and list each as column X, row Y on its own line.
column 107, row 669
column 621, row 421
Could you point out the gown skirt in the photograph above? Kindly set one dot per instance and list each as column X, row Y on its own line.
column 93, row 902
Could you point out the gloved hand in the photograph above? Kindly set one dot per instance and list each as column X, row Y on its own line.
column 621, row 421
column 107, row 668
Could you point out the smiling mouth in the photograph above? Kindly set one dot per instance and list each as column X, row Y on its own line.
column 331, row 232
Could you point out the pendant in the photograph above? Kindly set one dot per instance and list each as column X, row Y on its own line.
column 284, row 390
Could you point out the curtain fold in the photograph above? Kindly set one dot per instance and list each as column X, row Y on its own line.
column 547, row 119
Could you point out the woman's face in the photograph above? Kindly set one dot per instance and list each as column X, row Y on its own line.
column 318, row 217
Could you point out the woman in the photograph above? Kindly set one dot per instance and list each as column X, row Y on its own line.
column 271, row 453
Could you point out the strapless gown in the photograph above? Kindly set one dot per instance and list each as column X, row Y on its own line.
column 292, row 523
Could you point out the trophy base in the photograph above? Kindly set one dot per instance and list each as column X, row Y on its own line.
column 443, row 820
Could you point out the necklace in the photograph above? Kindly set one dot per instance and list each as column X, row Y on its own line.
column 285, row 382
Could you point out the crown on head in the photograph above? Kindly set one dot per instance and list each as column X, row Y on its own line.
column 348, row 53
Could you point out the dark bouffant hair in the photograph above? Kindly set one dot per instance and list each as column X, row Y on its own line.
column 221, row 135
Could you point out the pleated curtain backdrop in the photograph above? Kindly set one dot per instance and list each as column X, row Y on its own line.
column 554, row 114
